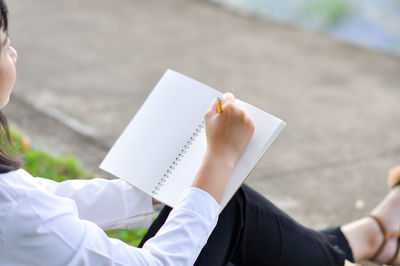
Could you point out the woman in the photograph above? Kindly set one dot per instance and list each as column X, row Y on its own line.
column 47, row 223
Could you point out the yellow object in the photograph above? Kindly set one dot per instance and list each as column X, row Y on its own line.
column 26, row 143
column 219, row 105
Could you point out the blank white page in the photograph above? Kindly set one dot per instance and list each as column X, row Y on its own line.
column 163, row 125
column 158, row 131
column 267, row 128
column 184, row 173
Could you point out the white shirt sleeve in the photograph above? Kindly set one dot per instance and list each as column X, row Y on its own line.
column 111, row 204
column 194, row 217
column 40, row 228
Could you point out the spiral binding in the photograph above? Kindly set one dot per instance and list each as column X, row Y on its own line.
column 178, row 158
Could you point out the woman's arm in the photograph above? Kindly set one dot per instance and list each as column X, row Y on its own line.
column 40, row 228
column 48, row 226
column 111, row 204
column 228, row 135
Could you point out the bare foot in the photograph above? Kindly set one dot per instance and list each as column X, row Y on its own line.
column 389, row 211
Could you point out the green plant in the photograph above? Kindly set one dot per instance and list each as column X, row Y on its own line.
column 327, row 13
column 61, row 168
column 131, row 237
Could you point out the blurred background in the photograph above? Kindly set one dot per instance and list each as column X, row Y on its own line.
column 367, row 23
column 329, row 68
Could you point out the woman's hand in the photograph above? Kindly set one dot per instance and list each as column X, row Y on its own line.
column 229, row 132
column 228, row 135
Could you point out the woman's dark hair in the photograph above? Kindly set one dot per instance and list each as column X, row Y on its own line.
column 7, row 162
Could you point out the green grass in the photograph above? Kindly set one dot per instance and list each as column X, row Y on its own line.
column 61, row 168
column 327, row 13
column 131, row 237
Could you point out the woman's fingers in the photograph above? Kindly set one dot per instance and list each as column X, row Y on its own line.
column 228, row 96
column 232, row 106
column 227, row 99
column 229, row 132
column 212, row 110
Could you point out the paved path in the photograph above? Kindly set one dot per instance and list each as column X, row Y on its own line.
column 92, row 63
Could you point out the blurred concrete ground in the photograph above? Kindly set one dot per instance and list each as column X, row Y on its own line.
column 90, row 64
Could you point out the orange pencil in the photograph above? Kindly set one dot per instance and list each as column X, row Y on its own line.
column 219, row 105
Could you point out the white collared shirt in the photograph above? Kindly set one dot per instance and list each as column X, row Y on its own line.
column 43, row 222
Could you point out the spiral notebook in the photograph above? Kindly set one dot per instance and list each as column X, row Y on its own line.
column 162, row 148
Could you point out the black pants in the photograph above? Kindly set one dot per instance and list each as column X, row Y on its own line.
column 253, row 231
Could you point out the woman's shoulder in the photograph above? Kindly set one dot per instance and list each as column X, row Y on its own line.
column 19, row 171
column 17, row 180
column 21, row 187
column 12, row 185
column 15, row 176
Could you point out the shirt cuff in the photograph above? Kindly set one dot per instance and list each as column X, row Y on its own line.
column 186, row 230
column 199, row 201
column 132, row 194
column 138, row 210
